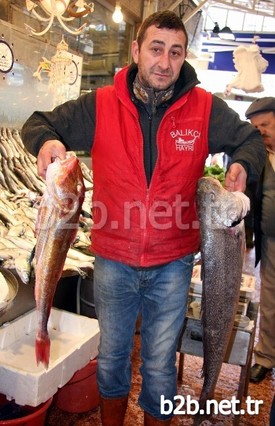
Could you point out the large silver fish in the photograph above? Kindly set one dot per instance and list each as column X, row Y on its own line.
column 222, row 252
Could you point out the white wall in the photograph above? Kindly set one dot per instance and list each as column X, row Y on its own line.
column 216, row 81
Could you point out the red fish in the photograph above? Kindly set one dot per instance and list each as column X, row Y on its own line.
column 56, row 229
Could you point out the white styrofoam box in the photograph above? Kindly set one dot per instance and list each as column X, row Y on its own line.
column 74, row 341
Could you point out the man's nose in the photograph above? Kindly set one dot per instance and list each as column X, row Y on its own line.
column 164, row 61
column 261, row 130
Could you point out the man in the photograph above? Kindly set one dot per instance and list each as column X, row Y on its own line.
column 261, row 113
column 149, row 136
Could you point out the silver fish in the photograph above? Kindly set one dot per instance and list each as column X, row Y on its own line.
column 222, row 252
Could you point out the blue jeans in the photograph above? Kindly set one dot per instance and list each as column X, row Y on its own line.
column 160, row 294
column 272, row 413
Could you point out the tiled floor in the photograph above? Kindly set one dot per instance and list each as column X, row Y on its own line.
column 226, row 388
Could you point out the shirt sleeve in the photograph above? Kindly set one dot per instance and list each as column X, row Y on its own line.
column 241, row 141
column 72, row 123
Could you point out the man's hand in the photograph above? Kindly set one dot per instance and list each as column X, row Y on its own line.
column 47, row 154
column 235, row 179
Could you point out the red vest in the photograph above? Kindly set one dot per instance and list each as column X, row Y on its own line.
column 134, row 224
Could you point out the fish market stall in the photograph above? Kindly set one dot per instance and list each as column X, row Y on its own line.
column 21, row 191
column 241, row 341
column 239, row 351
column 74, row 338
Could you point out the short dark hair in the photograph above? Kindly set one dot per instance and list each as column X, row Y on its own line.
column 162, row 19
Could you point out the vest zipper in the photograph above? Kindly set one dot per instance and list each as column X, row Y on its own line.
column 145, row 231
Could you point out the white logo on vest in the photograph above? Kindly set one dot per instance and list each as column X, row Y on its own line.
column 185, row 139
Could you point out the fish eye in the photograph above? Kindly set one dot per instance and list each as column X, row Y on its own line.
column 212, row 196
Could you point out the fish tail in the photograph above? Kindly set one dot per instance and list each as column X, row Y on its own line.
column 42, row 350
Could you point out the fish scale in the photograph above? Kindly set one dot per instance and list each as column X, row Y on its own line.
column 56, row 228
column 222, row 254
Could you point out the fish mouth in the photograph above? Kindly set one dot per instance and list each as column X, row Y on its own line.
column 71, row 162
column 231, row 224
column 225, row 208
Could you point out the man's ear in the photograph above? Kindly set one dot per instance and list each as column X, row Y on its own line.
column 135, row 51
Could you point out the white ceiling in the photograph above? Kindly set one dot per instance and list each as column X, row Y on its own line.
column 255, row 7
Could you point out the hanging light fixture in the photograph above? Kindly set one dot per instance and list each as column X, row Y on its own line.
column 117, row 15
column 58, row 9
column 226, row 34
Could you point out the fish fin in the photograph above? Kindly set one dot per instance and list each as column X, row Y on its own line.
column 32, row 255
column 42, row 350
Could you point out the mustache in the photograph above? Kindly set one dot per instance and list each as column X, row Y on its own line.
column 164, row 73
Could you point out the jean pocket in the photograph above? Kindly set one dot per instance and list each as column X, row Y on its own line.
column 187, row 260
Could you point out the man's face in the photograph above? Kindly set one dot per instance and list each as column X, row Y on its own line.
column 160, row 57
column 265, row 122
